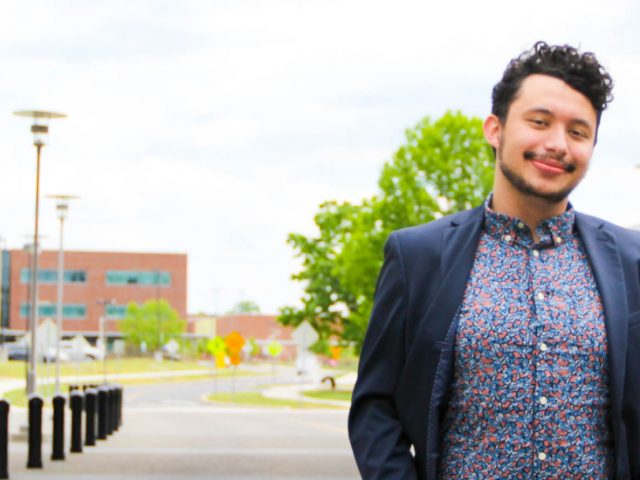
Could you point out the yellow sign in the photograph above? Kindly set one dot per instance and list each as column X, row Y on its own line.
column 274, row 348
column 220, row 363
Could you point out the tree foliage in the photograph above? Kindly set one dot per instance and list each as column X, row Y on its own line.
column 444, row 166
column 153, row 323
column 245, row 306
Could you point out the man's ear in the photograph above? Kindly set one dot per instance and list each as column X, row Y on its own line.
column 492, row 128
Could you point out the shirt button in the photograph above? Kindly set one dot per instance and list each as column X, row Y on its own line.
column 536, row 253
column 542, row 456
column 540, row 296
column 543, row 347
column 520, row 225
column 558, row 240
column 543, row 400
column 507, row 238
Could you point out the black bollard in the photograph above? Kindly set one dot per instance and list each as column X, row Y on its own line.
column 4, row 438
column 75, row 404
column 111, row 404
column 119, row 402
column 114, row 408
column 34, row 459
column 119, row 397
column 103, row 413
column 57, row 446
column 90, row 407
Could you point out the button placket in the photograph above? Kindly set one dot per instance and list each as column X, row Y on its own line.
column 541, row 388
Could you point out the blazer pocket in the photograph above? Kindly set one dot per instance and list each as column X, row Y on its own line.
column 634, row 319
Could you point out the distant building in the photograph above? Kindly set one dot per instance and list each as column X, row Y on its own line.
column 90, row 278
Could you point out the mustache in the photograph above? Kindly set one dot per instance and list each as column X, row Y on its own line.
column 568, row 167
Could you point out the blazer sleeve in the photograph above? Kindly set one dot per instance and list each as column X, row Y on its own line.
column 379, row 443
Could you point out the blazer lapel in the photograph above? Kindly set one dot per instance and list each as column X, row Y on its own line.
column 605, row 260
column 459, row 245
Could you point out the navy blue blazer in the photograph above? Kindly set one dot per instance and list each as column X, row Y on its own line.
column 406, row 364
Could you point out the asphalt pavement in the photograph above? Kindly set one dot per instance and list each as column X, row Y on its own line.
column 170, row 432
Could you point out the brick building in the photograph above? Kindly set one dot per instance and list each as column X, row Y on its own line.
column 89, row 279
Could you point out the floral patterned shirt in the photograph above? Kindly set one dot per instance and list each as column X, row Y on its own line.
column 529, row 398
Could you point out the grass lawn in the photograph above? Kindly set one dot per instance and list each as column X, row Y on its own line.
column 17, row 368
column 344, row 395
column 18, row 397
column 256, row 399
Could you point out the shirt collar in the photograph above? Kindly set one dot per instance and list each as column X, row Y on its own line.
column 552, row 231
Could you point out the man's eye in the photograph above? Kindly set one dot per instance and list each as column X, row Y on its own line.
column 578, row 133
column 538, row 122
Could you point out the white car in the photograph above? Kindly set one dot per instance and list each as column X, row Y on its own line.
column 75, row 352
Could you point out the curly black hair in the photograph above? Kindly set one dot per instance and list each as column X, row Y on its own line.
column 581, row 71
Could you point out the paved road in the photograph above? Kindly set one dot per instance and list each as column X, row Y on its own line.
column 193, row 392
column 168, row 433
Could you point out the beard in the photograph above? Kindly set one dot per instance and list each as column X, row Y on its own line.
column 526, row 188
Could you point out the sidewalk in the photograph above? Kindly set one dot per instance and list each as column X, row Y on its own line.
column 206, row 442
column 295, row 392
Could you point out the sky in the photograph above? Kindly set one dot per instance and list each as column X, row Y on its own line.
column 216, row 128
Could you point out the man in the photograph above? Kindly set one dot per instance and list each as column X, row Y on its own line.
column 503, row 341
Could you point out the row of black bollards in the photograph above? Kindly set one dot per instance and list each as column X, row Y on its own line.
column 103, row 415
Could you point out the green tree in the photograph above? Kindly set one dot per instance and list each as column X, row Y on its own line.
column 445, row 166
column 245, row 306
column 153, row 323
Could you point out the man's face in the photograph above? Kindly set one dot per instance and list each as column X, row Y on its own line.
column 544, row 147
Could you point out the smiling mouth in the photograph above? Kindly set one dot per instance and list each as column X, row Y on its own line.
column 548, row 163
column 549, row 167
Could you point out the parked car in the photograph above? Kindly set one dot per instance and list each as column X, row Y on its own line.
column 50, row 355
column 76, row 351
column 16, row 351
column 20, row 351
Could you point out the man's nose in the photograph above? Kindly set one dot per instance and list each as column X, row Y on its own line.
column 556, row 141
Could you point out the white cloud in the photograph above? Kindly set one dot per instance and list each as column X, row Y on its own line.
column 215, row 128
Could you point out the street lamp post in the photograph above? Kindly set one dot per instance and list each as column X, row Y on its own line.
column 62, row 207
column 40, row 129
column 102, row 333
column 158, row 318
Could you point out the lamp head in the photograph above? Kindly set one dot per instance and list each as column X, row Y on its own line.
column 40, row 127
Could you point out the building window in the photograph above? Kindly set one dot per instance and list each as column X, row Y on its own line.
column 115, row 312
column 149, row 278
column 51, row 276
column 71, row 311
